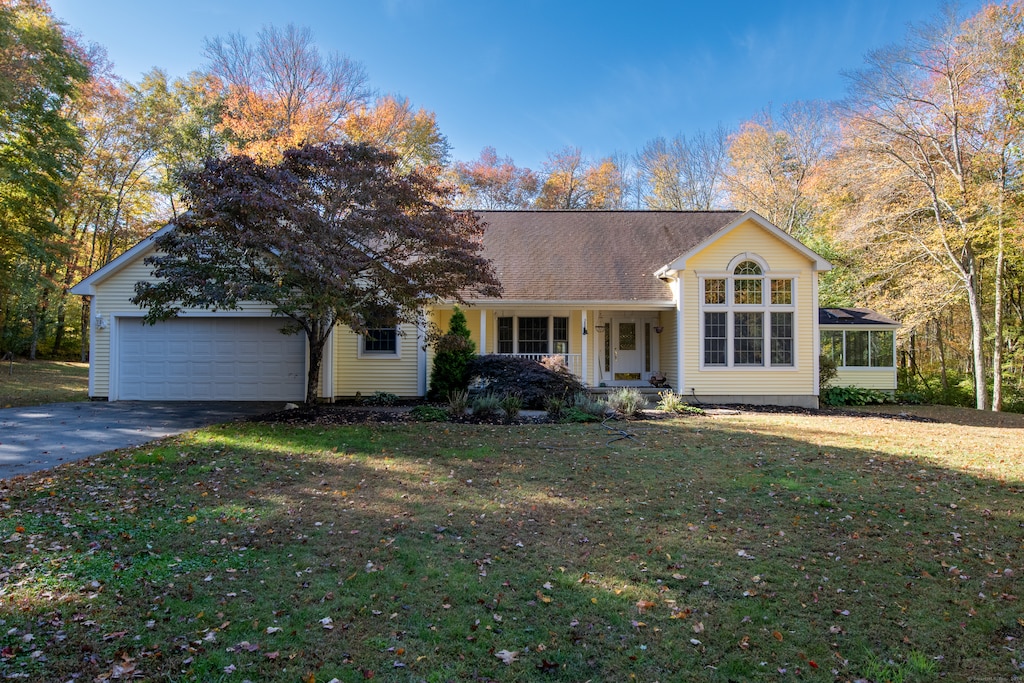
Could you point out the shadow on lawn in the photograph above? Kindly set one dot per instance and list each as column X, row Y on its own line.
column 433, row 549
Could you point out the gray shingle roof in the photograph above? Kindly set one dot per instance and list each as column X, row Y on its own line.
column 852, row 316
column 592, row 255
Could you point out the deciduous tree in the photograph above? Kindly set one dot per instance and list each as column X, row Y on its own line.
column 492, row 182
column 282, row 92
column 331, row 234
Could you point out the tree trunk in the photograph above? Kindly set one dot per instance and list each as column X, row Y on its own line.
column 997, row 322
column 977, row 333
column 86, row 309
column 942, row 357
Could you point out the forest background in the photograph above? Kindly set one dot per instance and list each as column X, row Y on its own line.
column 911, row 185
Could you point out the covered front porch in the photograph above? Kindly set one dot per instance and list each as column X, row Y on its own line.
column 603, row 347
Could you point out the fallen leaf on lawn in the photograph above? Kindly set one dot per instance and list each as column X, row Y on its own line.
column 698, row 627
column 273, row 629
column 506, row 656
column 327, row 623
column 190, row 519
column 272, row 655
column 642, row 605
column 694, row 641
column 547, row 667
column 543, row 598
column 777, row 636
column 547, row 586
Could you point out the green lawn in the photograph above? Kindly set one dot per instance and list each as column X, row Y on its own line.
column 30, row 383
column 752, row 547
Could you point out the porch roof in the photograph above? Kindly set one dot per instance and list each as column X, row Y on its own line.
column 592, row 256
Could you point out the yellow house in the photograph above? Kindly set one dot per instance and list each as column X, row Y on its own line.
column 720, row 305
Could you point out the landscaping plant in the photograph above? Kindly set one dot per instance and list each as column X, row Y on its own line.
column 452, row 353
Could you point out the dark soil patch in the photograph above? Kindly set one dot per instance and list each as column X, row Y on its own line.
column 326, row 415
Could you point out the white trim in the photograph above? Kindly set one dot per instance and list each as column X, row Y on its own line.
column 680, row 288
column 748, row 256
column 381, row 355
column 815, row 378
column 421, row 356
column 87, row 287
column 679, row 263
column 483, row 330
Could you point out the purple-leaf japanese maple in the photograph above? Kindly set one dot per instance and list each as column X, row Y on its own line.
column 332, row 234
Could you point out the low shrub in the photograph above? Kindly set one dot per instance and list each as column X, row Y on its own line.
column 585, row 403
column 458, row 402
column 853, row 396
column 531, row 380
column 486, row 405
column 555, row 406
column 673, row 403
column 511, row 405
column 627, row 400
column 423, row 413
column 574, row 414
column 381, row 398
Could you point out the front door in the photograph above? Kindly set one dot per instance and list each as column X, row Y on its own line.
column 627, row 350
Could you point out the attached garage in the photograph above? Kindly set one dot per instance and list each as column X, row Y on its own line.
column 207, row 359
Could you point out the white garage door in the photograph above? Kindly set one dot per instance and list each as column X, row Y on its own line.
column 209, row 359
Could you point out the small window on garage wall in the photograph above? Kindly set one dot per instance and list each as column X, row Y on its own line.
column 380, row 342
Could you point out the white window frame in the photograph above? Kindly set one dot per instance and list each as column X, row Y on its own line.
column 765, row 308
column 361, row 351
column 551, row 332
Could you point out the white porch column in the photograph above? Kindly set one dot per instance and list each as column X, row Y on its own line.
column 483, row 332
column 680, row 382
column 584, row 367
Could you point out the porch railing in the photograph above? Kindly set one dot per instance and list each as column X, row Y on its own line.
column 574, row 361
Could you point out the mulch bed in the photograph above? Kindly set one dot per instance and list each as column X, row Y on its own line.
column 340, row 414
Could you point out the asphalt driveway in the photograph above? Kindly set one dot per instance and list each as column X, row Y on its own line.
column 41, row 437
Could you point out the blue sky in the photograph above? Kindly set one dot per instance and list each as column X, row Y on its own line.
column 530, row 77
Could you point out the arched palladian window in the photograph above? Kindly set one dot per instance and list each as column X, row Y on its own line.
column 748, row 317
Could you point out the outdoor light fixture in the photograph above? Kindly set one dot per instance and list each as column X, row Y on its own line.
column 101, row 322
column 658, row 329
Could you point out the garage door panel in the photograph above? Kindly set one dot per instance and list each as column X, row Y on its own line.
column 193, row 359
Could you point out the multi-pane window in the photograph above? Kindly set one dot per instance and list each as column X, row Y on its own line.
column 714, row 291
column 858, row 348
column 747, row 292
column 715, row 338
column 749, row 318
column 748, row 338
column 533, row 335
column 560, row 335
column 782, row 292
column 505, row 340
column 381, row 340
column 782, row 338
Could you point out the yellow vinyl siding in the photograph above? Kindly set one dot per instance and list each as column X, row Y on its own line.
column 780, row 258
column 883, row 379
column 367, row 374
